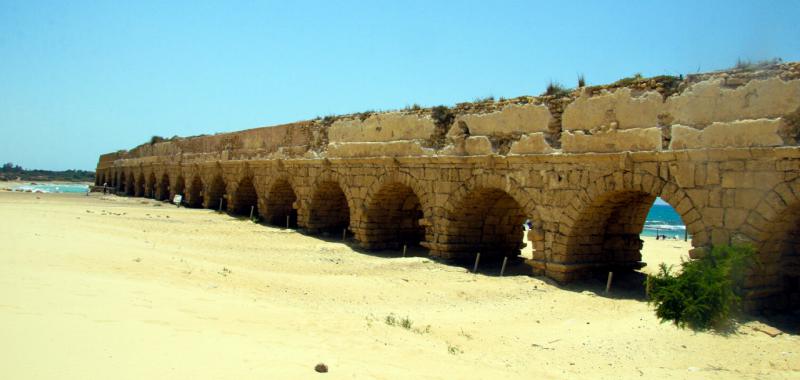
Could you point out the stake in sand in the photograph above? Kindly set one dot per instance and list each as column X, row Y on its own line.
column 251, row 211
column 287, row 221
column 344, row 233
column 220, row 205
column 477, row 260
column 503, row 268
column 404, row 250
column 608, row 283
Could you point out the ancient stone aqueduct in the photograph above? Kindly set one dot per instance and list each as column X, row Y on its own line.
column 584, row 166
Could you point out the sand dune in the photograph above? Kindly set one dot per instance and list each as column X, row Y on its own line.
column 110, row 287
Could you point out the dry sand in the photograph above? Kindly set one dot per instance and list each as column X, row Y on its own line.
column 104, row 287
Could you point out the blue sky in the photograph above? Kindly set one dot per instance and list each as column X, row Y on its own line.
column 78, row 79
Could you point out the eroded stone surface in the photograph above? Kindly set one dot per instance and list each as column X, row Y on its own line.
column 526, row 118
column 381, row 127
column 628, row 140
column 620, row 107
column 737, row 134
column 709, row 101
column 533, row 143
column 378, row 149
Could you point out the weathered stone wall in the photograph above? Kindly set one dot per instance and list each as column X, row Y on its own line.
column 584, row 169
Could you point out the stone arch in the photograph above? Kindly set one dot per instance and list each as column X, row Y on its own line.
column 600, row 228
column 330, row 208
column 775, row 222
column 485, row 215
column 162, row 193
column 397, row 212
column 216, row 192
column 244, row 197
column 130, row 187
column 281, row 200
column 195, row 192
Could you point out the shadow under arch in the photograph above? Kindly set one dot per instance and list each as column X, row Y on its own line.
column 393, row 217
column 487, row 215
column 245, row 197
column 280, row 203
column 162, row 193
column 139, row 188
column 215, row 195
column 151, row 185
column 776, row 280
column 329, row 208
column 194, row 194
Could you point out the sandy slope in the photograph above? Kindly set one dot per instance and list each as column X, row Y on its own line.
column 106, row 287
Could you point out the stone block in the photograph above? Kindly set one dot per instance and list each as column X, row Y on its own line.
column 735, row 134
column 710, row 101
column 619, row 107
column 378, row 149
column 532, row 143
column 514, row 118
column 630, row 140
column 478, row 146
column 381, row 127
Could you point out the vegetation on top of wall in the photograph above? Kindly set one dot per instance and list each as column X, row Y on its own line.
column 581, row 81
column 706, row 293
column 627, row 81
column 747, row 65
column 9, row 171
column 556, row 89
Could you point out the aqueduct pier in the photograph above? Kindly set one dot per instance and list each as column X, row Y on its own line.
column 583, row 166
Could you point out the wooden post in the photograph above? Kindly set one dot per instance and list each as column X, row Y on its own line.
column 647, row 286
column 287, row 221
column 344, row 234
column 477, row 260
column 252, row 208
column 685, row 234
column 220, row 205
column 608, row 283
column 503, row 268
column 404, row 250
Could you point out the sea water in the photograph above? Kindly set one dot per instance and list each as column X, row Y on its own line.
column 54, row 188
column 663, row 220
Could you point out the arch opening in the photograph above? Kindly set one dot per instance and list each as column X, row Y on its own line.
column 163, row 188
column 280, row 204
column 140, row 186
column 489, row 221
column 612, row 231
column 779, row 258
column 330, row 212
column 150, row 186
column 215, row 196
column 180, row 188
column 245, row 198
column 194, row 197
column 130, row 189
column 393, row 218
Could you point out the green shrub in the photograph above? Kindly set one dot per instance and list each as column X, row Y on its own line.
column 707, row 291
column 442, row 115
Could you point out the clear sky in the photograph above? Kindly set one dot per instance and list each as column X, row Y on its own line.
column 80, row 78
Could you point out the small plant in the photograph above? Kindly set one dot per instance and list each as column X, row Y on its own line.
column 420, row 331
column 224, row 272
column 454, row 350
column 488, row 99
column 581, row 81
column 556, row 89
column 156, row 139
column 391, row 320
column 706, row 293
column 406, row 323
column 413, row 107
column 465, row 334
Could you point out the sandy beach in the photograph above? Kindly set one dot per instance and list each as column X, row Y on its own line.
column 103, row 287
